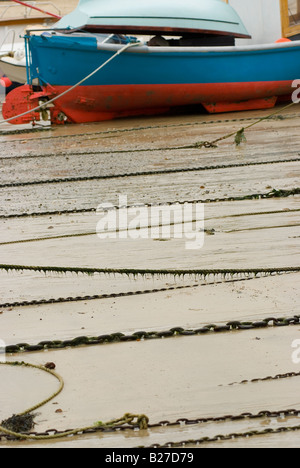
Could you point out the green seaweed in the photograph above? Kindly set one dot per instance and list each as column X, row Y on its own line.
column 240, row 137
column 19, row 423
column 161, row 273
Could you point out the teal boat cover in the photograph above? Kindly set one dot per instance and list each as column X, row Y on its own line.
column 155, row 16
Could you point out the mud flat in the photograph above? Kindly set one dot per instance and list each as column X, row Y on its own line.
column 51, row 183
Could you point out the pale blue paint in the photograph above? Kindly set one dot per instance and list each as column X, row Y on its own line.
column 211, row 15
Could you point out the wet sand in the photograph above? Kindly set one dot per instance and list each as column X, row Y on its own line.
column 167, row 379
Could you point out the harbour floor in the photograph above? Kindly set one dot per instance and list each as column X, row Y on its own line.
column 51, row 182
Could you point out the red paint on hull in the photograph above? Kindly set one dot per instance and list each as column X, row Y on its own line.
column 19, row 101
column 252, row 104
column 97, row 103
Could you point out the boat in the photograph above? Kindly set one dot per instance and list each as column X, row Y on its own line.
column 14, row 17
column 13, row 63
column 191, row 59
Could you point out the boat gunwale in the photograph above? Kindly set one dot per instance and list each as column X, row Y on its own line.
column 11, row 61
column 142, row 47
column 229, row 49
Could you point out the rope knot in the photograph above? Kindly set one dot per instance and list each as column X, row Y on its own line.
column 143, row 422
column 137, row 419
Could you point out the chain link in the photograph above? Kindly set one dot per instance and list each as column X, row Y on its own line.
column 228, row 437
column 60, row 300
column 174, row 332
column 146, row 173
column 233, row 326
column 133, row 129
column 94, row 233
column 282, row 193
column 94, row 297
column 142, row 422
column 134, row 425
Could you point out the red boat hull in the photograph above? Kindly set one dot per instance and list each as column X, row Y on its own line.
column 98, row 103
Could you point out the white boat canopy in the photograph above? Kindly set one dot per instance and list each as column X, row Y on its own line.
column 168, row 17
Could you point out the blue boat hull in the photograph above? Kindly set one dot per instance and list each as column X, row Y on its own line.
column 146, row 80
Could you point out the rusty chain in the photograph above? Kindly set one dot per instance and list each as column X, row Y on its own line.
column 61, row 300
column 228, row 437
column 138, row 336
column 132, row 129
column 174, row 332
column 281, row 193
column 232, row 326
column 134, row 425
column 146, row 173
column 179, row 422
column 94, row 233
